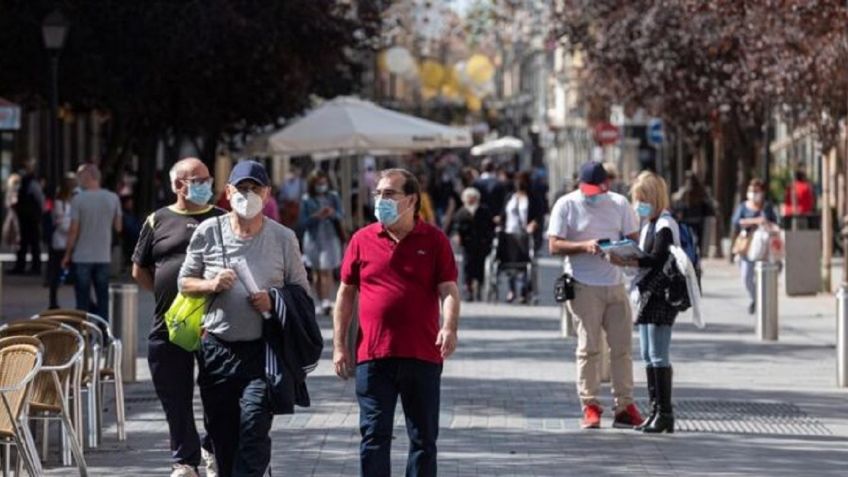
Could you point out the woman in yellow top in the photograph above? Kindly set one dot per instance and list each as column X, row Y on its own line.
column 427, row 214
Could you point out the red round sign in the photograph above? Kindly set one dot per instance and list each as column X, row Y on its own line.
column 605, row 134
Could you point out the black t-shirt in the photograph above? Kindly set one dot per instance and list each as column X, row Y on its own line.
column 162, row 247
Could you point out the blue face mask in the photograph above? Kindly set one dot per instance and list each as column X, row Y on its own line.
column 644, row 209
column 386, row 211
column 199, row 193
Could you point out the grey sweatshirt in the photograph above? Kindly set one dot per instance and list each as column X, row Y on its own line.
column 273, row 257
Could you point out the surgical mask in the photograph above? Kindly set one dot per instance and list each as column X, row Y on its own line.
column 755, row 196
column 247, row 206
column 386, row 211
column 321, row 189
column 594, row 199
column 644, row 209
column 199, row 193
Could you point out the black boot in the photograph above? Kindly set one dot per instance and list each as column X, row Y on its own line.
column 664, row 422
column 652, row 396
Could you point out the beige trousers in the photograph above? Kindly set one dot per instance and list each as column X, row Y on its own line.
column 597, row 308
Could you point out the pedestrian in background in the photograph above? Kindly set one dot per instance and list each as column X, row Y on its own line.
column 11, row 225
column 232, row 377
column 94, row 213
column 321, row 219
column 291, row 192
column 524, row 215
column 800, row 197
column 492, row 191
column 579, row 220
column 401, row 268
column 29, row 207
column 61, row 215
column 692, row 205
column 473, row 224
column 655, row 316
column 750, row 214
column 157, row 259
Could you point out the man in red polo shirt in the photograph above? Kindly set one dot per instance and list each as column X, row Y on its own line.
column 403, row 269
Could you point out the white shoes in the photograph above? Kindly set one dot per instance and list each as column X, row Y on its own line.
column 209, row 460
column 183, row 470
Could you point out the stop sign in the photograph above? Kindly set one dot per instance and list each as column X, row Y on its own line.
column 605, row 134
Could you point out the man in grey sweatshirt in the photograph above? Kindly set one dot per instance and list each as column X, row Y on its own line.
column 232, row 380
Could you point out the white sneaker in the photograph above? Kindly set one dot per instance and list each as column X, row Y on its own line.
column 183, row 470
column 209, row 460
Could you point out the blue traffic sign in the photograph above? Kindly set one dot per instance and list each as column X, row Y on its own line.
column 656, row 135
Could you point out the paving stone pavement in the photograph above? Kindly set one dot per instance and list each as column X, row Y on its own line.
column 509, row 405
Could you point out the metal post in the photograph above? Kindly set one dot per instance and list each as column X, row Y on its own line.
column 767, row 325
column 123, row 315
column 52, row 169
column 842, row 336
column 566, row 322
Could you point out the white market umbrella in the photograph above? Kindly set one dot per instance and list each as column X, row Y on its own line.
column 348, row 125
column 504, row 145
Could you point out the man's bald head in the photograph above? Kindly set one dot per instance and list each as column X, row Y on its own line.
column 187, row 168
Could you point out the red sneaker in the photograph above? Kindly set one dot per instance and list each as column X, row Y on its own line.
column 591, row 417
column 628, row 418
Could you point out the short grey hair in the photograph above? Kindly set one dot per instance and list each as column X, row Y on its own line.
column 470, row 192
column 174, row 173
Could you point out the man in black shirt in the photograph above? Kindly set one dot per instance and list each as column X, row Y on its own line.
column 158, row 256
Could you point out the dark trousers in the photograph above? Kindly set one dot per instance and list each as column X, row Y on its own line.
column 86, row 275
column 30, row 242
column 172, row 370
column 474, row 265
column 235, row 401
column 54, row 272
column 378, row 385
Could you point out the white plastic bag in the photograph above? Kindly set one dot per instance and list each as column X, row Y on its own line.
column 759, row 248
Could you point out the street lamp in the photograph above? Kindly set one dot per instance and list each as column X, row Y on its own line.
column 54, row 29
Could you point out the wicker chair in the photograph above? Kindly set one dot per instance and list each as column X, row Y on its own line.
column 20, row 361
column 63, row 350
column 108, row 372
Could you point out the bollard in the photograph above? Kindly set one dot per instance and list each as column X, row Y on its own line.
column 842, row 336
column 767, row 325
column 566, row 324
column 123, row 315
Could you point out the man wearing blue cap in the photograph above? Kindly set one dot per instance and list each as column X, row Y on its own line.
column 232, row 353
column 580, row 220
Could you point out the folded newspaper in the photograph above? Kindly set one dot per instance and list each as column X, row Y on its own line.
column 246, row 277
column 625, row 249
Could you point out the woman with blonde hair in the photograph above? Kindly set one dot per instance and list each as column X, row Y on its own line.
column 655, row 315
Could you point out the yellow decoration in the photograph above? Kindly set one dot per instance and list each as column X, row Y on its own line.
column 432, row 74
column 479, row 69
column 382, row 65
column 473, row 103
column 428, row 93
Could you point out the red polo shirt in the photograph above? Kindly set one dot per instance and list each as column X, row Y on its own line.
column 398, row 290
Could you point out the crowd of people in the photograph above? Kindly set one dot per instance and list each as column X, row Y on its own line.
column 400, row 267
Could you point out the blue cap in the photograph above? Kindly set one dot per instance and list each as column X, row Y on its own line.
column 251, row 170
column 593, row 178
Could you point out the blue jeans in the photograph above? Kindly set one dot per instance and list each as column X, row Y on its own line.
column 87, row 274
column 747, row 268
column 655, row 341
column 378, row 385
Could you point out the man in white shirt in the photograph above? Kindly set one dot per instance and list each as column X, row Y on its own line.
column 578, row 221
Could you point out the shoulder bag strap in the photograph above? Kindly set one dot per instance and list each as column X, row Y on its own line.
column 221, row 238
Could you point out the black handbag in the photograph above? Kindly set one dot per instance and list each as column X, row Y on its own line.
column 564, row 288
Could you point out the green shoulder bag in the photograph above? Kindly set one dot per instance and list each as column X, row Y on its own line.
column 184, row 318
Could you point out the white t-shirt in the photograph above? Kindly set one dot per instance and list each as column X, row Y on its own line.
column 573, row 218
column 516, row 214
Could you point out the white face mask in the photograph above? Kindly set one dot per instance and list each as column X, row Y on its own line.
column 756, row 197
column 247, row 206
